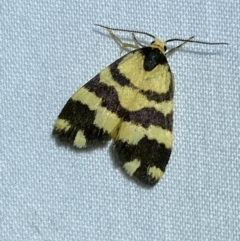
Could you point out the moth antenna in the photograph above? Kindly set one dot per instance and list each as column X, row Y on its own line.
column 126, row 30
column 195, row 41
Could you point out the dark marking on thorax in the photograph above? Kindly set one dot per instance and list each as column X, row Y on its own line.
column 152, row 58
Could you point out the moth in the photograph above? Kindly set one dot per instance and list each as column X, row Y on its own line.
column 131, row 102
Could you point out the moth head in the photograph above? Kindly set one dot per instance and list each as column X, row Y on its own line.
column 161, row 45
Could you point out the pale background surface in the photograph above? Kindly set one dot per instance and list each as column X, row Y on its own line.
column 51, row 192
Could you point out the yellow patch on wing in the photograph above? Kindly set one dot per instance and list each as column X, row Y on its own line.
column 80, row 140
column 132, row 166
column 86, row 97
column 157, row 80
column 138, row 132
column 106, row 119
column 62, row 125
column 155, row 172
column 131, row 99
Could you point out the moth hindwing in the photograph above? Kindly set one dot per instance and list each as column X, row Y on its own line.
column 130, row 101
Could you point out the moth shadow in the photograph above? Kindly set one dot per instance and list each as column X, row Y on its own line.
column 200, row 52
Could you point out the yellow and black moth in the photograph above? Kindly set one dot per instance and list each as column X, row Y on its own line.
column 130, row 101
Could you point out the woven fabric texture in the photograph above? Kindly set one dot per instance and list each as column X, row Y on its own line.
column 53, row 192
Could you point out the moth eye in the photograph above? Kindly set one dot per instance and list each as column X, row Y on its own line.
column 165, row 48
column 152, row 42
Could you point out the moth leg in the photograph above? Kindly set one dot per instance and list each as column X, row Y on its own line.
column 137, row 43
column 122, row 44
